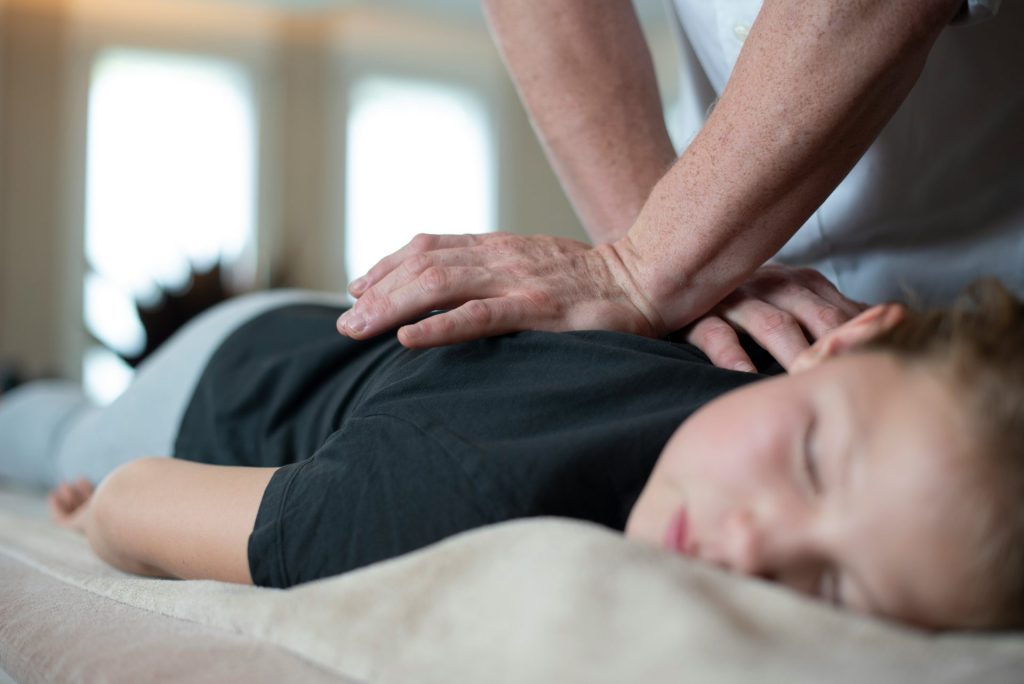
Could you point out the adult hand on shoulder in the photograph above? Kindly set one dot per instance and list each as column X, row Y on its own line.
column 498, row 283
column 783, row 308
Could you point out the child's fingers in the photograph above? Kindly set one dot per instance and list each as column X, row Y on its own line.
column 77, row 499
column 75, row 495
column 58, row 511
column 63, row 494
column 69, row 496
column 83, row 487
column 67, row 501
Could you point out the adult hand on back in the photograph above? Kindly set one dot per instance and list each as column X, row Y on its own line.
column 498, row 283
column 782, row 308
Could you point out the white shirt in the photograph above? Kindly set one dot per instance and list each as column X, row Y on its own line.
column 938, row 198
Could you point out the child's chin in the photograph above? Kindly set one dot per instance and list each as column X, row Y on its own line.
column 631, row 524
column 639, row 526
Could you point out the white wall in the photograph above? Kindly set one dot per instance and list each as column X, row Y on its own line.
column 31, row 88
column 301, row 63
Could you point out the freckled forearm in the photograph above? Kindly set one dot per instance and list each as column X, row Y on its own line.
column 814, row 85
column 585, row 74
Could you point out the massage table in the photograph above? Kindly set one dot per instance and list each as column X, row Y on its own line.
column 540, row 600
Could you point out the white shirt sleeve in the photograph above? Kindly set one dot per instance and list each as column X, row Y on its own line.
column 974, row 11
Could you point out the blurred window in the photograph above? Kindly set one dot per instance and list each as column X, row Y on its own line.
column 170, row 186
column 419, row 160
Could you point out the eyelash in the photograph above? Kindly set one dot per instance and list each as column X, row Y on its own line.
column 810, row 460
column 828, row 585
column 829, row 588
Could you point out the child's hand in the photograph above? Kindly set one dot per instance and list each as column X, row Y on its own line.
column 69, row 503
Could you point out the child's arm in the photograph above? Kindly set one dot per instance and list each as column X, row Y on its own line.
column 165, row 517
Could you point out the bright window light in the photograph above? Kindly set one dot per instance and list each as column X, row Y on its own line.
column 171, row 176
column 105, row 374
column 110, row 315
column 419, row 160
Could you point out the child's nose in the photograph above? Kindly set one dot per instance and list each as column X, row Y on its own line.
column 744, row 550
column 751, row 550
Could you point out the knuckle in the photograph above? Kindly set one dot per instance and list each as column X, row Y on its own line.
column 385, row 307
column 812, row 276
column 788, row 291
column 433, row 279
column 771, row 278
column 716, row 335
column 831, row 317
column 417, row 263
column 505, row 240
column 435, row 326
column 805, row 273
column 797, row 295
column 423, row 242
column 374, row 305
column 543, row 301
column 477, row 312
column 367, row 301
column 776, row 322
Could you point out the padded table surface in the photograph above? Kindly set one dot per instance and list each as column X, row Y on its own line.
column 525, row 601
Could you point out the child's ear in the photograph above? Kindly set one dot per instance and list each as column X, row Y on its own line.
column 867, row 325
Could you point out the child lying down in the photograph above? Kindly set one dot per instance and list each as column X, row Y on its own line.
column 884, row 473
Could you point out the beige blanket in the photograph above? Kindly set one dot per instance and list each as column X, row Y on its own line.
column 530, row 601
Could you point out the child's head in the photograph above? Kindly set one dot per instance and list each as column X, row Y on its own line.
column 889, row 478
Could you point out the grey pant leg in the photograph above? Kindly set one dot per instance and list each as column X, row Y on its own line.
column 33, row 420
column 92, row 441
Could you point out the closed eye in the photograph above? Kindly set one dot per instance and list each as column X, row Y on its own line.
column 811, row 458
column 828, row 588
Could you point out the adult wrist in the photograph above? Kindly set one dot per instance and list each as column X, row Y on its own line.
column 627, row 268
column 678, row 281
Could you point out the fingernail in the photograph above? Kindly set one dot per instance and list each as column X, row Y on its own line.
column 413, row 332
column 354, row 322
column 358, row 284
column 745, row 367
column 869, row 315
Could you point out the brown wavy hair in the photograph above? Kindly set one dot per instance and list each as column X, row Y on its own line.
column 978, row 345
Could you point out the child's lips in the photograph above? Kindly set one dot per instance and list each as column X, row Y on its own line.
column 677, row 533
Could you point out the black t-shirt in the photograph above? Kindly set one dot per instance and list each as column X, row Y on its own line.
column 385, row 450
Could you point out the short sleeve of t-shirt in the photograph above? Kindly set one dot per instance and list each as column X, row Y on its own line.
column 377, row 498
